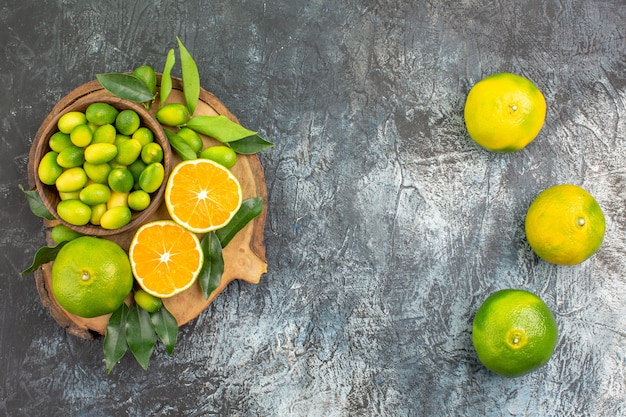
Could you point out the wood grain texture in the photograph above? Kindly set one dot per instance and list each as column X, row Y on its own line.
column 386, row 226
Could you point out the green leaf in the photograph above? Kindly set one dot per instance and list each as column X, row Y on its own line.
column 115, row 345
column 166, row 77
column 36, row 205
column 249, row 209
column 250, row 145
column 191, row 78
column 140, row 335
column 213, row 266
column 43, row 256
column 181, row 147
column 166, row 327
column 125, row 86
column 219, row 127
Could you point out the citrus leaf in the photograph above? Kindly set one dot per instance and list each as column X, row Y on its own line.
column 181, row 147
column 36, row 205
column 166, row 327
column 219, row 127
column 115, row 345
column 250, row 208
column 166, row 77
column 140, row 335
column 250, row 145
column 213, row 267
column 191, row 78
column 44, row 255
column 125, row 86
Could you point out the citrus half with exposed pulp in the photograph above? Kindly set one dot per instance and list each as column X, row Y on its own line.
column 202, row 195
column 166, row 258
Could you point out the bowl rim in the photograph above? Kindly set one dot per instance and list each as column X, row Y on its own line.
column 40, row 147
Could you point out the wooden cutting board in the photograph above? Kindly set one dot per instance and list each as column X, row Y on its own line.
column 244, row 256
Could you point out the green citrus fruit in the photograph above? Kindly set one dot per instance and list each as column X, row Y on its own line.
column 96, row 213
column 61, row 233
column 136, row 168
column 119, row 138
column 115, row 217
column 70, row 120
column 72, row 179
column 127, row 122
column 565, row 225
column 97, row 173
column 101, row 114
column 223, row 155
column 91, row 276
column 191, row 138
column 128, row 151
column 59, row 141
column 93, row 127
column 94, row 194
column 74, row 212
column 117, row 199
column 143, row 135
column 104, row 134
column 69, row 195
column 138, row 200
column 148, row 302
column 152, row 177
column 504, row 112
column 121, row 180
column 151, row 152
column 172, row 114
column 99, row 153
column 514, row 332
column 70, row 157
column 81, row 135
column 49, row 170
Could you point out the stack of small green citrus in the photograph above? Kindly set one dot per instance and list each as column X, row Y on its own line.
column 103, row 164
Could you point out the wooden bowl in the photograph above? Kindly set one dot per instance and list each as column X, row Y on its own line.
column 49, row 194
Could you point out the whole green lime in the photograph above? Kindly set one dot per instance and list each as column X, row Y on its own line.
column 514, row 332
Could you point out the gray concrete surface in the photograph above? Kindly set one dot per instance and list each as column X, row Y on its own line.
column 387, row 227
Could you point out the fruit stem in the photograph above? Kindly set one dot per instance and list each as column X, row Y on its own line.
column 517, row 338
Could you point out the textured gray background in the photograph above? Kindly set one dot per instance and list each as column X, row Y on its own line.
column 387, row 227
